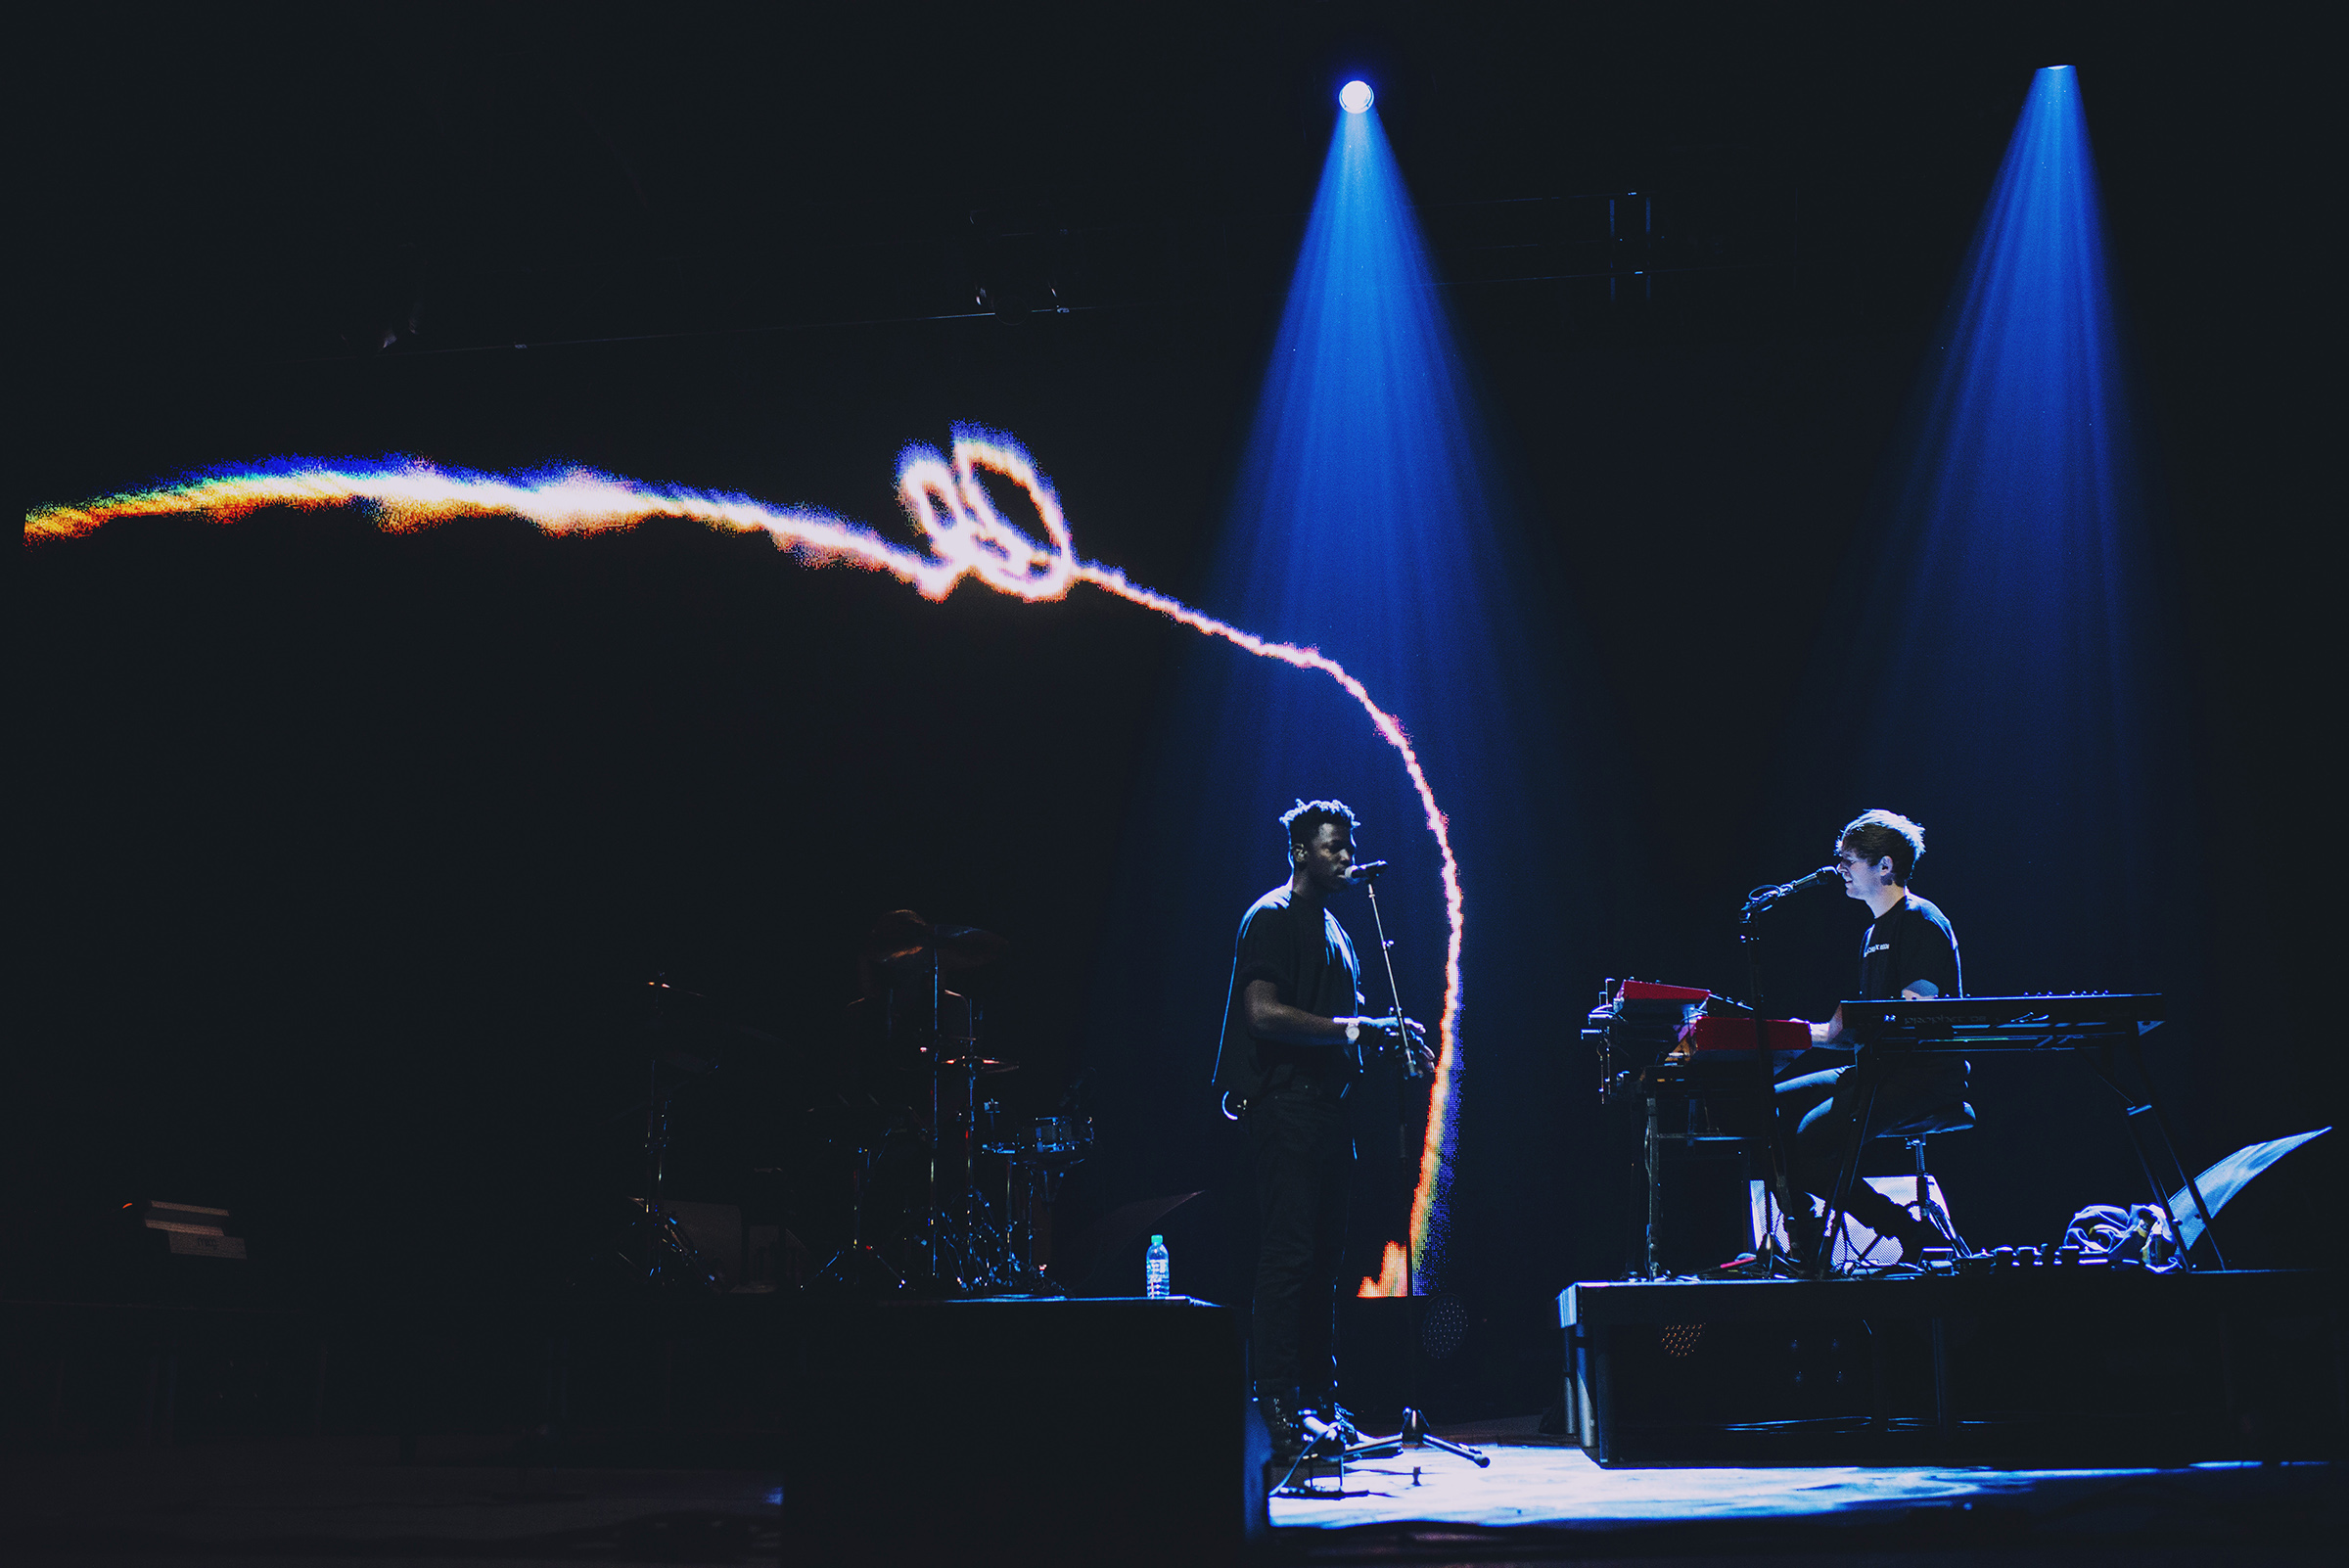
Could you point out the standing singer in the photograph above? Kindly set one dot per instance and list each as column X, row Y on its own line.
column 1292, row 1046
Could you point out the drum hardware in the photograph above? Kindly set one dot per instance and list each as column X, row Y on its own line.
column 923, row 1212
column 859, row 1267
column 959, row 1249
column 1036, row 1154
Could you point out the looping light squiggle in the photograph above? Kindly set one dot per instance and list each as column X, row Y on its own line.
column 948, row 505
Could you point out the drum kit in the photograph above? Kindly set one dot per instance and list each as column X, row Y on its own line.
column 905, row 1156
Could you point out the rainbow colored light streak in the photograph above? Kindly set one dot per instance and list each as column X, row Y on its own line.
column 957, row 519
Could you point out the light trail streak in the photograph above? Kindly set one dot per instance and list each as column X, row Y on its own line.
column 948, row 504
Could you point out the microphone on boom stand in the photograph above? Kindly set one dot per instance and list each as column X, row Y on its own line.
column 1758, row 902
column 1366, row 873
column 1767, row 895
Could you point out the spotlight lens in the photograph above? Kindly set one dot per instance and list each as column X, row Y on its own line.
column 1355, row 97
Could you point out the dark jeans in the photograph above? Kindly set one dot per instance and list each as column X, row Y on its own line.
column 1821, row 1107
column 1304, row 1164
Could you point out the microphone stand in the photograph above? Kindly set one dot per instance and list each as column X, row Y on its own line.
column 1749, row 936
column 1414, row 1433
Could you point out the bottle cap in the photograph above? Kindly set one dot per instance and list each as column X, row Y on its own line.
column 1158, row 1241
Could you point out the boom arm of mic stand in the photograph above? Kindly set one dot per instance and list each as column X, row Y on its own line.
column 1386, row 952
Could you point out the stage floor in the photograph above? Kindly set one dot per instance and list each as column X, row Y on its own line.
column 349, row 1500
column 1546, row 1502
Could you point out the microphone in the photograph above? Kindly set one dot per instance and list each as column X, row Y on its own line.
column 1767, row 894
column 1368, row 871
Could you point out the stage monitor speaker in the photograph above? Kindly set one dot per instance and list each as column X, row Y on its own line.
column 980, row 1432
column 2062, row 1364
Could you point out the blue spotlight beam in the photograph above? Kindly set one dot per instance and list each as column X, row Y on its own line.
column 1363, row 526
column 2001, row 664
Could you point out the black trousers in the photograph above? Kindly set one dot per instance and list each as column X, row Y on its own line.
column 1304, row 1164
column 1820, row 1109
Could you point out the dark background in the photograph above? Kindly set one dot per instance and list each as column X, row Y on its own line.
column 341, row 859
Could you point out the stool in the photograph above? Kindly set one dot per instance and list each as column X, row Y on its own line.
column 1959, row 1117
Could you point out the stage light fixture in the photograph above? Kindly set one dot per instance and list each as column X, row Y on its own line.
column 1355, row 97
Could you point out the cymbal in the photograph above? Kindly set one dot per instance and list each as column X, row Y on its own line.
column 984, row 1066
column 667, row 1017
column 903, row 936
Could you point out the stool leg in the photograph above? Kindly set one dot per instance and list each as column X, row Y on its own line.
column 1926, row 1205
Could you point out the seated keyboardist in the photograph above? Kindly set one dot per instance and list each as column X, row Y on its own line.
column 1909, row 951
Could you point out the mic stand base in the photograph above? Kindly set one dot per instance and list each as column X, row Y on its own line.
column 1325, row 1449
column 1416, row 1434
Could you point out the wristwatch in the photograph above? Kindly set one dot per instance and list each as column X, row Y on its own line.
column 1353, row 1030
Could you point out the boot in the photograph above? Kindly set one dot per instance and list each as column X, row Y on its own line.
column 1279, row 1407
column 1914, row 1232
column 1322, row 1401
column 1806, row 1235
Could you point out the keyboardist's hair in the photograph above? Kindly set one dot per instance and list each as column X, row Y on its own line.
column 1304, row 820
column 1874, row 835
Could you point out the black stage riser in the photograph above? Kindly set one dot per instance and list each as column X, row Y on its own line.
column 1017, row 1432
column 2054, row 1366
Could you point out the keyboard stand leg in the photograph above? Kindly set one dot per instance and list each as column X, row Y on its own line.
column 2145, row 1124
column 1655, row 1189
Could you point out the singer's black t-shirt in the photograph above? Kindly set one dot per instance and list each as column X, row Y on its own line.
column 1312, row 968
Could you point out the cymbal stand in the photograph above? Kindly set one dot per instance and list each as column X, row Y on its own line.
column 1414, row 1433
column 668, row 1252
column 858, row 1264
column 934, row 1217
column 956, row 1243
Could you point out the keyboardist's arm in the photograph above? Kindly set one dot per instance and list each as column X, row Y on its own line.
column 1828, row 1032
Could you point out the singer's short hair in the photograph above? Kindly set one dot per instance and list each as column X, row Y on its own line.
column 1874, row 835
column 1304, row 820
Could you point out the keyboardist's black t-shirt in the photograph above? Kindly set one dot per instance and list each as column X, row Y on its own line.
column 1907, row 943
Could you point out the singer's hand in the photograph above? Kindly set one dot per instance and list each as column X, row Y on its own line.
column 1425, row 1059
column 1411, row 1036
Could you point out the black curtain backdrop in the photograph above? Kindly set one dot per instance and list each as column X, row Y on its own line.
column 340, row 859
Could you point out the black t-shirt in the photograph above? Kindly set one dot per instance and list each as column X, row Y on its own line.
column 1312, row 968
column 1907, row 943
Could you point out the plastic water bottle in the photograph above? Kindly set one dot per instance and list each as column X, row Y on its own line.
column 1157, row 1274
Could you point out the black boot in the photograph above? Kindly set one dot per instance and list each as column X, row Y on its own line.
column 1279, row 1407
column 1805, row 1237
column 1894, row 1222
column 1322, row 1401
